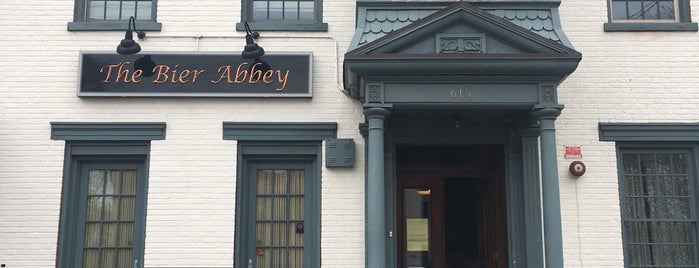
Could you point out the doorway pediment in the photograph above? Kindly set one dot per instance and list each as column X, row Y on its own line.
column 460, row 43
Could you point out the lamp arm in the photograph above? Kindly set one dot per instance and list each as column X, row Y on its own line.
column 249, row 31
column 140, row 34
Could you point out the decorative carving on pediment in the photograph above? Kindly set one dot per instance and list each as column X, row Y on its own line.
column 460, row 43
column 547, row 94
column 374, row 93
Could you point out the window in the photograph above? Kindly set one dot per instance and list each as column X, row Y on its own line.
column 103, row 203
column 649, row 15
column 661, row 10
column 278, row 192
column 658, row 186
column 278, row 207
column 112, row 195
column 114, row 15
column 658, row 208
column 103, row 207
column 283, row 201
column 290, row 15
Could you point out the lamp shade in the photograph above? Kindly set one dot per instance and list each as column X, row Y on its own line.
column 252, row 51
column 128, row 45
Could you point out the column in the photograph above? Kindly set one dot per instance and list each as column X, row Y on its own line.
column 553, row 239
column 532, row 197
column 375, row 245
column 516, row 224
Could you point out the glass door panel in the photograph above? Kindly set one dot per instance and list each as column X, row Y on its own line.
column 416, row 216
column 420, row 230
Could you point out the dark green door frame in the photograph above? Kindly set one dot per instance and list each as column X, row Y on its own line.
column 520, row 142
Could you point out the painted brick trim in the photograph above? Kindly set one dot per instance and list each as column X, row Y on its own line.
column 83, row 131
column 260, row 131
column 649, row 131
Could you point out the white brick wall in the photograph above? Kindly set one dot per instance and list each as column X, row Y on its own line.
column 191, row 194
column 623, row 77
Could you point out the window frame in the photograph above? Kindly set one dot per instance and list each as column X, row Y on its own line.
column 656, row 136
column 682, row 23
column 82, row 23
column 659, row 147
column 89, row 142
column 316, row 25
column 277, row 141
column 78, row 155
column 253, row 154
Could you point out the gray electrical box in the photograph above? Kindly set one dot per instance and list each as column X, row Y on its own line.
column 339, row 153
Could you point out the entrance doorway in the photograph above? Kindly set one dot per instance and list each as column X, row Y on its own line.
column 450, row 204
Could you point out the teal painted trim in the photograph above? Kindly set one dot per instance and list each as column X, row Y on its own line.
column 622, row 202
column 98, row 148
column 649, row 132
column 536, row 68
column 474, row 2
column 514, row 183
column 107, row 131
column 532, row 198
column 260, row 131
column 382, row 59
column 78, row 154
column 466, row 14
column 375, row 229
column 407, row 12
column 284, row 26
column 112, row 26
column 683, row 6
column 684, row 23
column 553, row 233
column 390, row 176
column 266, row 148
column 253, row 154
column 645, row 147
column 558, row 27
column 499, row 64
column 646, row 27
column 82, row 23
column 316, row 25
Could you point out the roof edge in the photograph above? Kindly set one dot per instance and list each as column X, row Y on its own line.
column 363, row 6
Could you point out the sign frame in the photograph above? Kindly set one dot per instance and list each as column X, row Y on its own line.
column 306, row 92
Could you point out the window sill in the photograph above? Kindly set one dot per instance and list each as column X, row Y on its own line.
column 284, row 26
column 112, row 26
column 649, row 26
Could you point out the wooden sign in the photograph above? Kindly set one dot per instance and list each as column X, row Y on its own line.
column 194, row 75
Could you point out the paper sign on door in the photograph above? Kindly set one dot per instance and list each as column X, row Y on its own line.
column 417, row 234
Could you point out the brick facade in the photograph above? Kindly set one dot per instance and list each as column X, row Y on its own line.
column 623, row 77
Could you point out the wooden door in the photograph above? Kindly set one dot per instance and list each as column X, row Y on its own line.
column 462, row 221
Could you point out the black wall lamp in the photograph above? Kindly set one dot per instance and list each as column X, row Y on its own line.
column 128, row 46
column 252, row 50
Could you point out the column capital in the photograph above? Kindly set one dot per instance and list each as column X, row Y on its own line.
column 376, row 112
column 546, row 113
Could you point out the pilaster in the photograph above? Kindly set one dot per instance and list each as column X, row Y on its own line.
column 532, row 197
